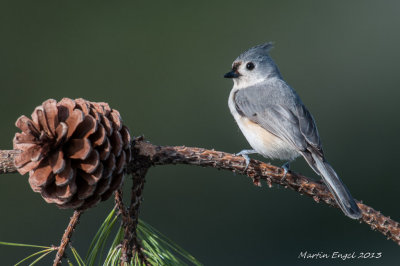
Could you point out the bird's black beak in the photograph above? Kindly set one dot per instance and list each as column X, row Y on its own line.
column 232, row 74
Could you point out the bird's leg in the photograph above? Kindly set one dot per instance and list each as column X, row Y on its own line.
column 244, row 154
column 286, row 168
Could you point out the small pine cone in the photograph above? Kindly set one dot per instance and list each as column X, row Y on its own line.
column 75, row 151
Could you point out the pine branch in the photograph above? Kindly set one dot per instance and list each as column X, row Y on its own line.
column 146, row 154
column 135, row 245
column 257, row 171
column 67, row 237
column 131, row 243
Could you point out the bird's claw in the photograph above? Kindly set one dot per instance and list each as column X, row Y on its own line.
column 244, row 154
column 286, row 169
column 247, row 159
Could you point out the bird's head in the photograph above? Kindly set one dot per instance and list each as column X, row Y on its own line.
column 253, row 66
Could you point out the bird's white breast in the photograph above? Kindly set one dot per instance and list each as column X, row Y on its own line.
column 265, row 143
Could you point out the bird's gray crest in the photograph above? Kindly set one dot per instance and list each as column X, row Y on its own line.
column 257, row 51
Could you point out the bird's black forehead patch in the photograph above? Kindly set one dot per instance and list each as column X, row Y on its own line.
column 236, row 65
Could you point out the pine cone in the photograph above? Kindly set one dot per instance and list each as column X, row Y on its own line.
column 75, row 151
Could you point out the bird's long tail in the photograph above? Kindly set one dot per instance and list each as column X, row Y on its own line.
column 334, row 184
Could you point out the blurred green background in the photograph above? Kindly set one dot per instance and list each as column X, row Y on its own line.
column 161, row 65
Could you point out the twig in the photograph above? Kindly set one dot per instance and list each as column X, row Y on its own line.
column 135, row 244
column 126, row 253
column 120, row 204
column 131, row 243
column 67, row 237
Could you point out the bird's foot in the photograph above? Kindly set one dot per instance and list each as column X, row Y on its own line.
column 286, row 169
column 244, row 154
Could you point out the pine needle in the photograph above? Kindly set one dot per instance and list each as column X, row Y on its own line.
column 77, row 257
column 45, row 251
column 98, row 242
column 21, row 245
column 41, row 257
column 159, row 249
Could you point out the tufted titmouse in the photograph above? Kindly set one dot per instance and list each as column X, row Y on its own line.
column 276, row 123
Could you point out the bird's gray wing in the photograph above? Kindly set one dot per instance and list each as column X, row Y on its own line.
column 309, row 129
column 291, row 121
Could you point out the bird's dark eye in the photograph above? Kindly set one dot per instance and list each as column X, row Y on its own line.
column 250, row 66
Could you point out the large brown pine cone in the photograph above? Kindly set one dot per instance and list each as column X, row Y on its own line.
column 75, row 151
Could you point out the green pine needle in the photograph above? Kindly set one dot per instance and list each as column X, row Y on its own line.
column 159, row 249
column 45, row 251
column 96, row 247
column 77, row 257
column 41, row 257
column 21, row 245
